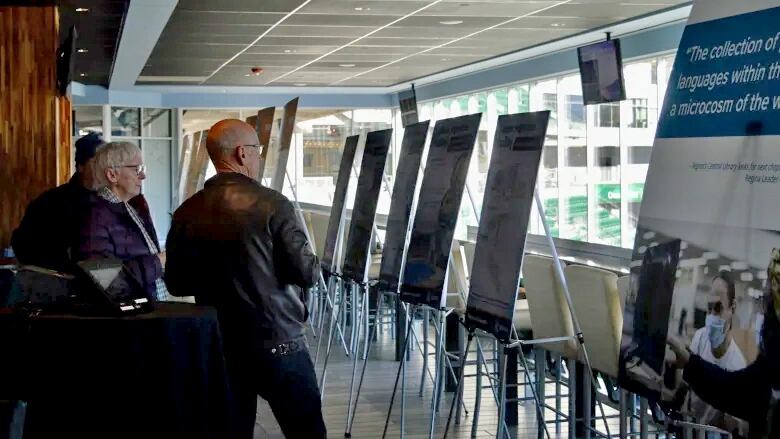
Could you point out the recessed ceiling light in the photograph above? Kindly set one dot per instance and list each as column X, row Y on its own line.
column 359, row 8
column 82, row 50
column 346, row 65
column 288, row 51
column 451, row 22
column 82, row 9
column 557, row 24
column 445, row 59
column 300, row 84
column 83, row 75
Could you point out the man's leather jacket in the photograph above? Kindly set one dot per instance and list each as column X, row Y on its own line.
column 239, row 247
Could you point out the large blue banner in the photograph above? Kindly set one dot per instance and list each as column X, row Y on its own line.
column 726, row 78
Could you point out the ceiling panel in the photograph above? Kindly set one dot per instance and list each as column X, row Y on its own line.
column 486, row 9
column 181, row 67
column 345, row 68
column 567, row 25
column 239, row 5
column 207, row 51
column 342, row 57
column 339, row 20
column 443, row 32
column 172, row 31
column 303, row 41
column 600, row 9
column 299, row 49
column 198, row 36
column 321, row 31
column 422, row 43
column 358, row 8
column 197, row 18
column 372, row 50
column 439, row 22
column 272, row 60
column 313, row 44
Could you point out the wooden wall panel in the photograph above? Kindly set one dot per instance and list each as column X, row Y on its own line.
column 65, row 164
column 28, row 110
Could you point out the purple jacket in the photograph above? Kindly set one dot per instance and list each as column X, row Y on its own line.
column 108, row 231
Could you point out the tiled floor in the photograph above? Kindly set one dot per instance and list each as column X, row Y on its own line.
column 375, row 397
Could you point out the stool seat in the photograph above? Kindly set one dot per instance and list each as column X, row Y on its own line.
column 522, row 317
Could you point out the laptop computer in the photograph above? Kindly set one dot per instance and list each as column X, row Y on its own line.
column 113, row 288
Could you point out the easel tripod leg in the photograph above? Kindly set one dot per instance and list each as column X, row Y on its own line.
column 459, row 391
column 351, row 419
column 397, row 376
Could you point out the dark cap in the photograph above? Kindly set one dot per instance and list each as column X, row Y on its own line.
column 86, row 146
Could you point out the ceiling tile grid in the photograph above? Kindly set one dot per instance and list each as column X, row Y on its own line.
column 362, row 42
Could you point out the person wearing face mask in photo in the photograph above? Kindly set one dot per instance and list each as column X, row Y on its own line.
column 714, row 344
column 752, row 393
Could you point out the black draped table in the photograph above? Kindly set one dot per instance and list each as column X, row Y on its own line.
column 160, row 374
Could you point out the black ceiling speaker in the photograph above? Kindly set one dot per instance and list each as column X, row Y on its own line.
column 66, row 61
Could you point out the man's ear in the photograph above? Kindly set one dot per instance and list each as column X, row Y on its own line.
column 240, row 155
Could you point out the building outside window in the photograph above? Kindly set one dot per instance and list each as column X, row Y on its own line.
column 608, row 115
column 638, row 113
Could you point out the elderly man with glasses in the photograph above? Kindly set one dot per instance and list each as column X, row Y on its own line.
column 118, row 224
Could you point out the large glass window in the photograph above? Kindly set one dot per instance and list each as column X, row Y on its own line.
column 125, row 121
column 87, row 119
column 595, row 157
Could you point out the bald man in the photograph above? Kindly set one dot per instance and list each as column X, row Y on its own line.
column 238, row 246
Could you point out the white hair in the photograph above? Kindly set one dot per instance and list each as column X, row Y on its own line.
column 113, row 155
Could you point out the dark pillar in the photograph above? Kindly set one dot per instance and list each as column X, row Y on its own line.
column 581, row 376
column 400, row 328
column 454, row 344
column 511, row 386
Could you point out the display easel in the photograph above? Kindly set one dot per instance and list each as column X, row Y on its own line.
column 409, row 319
column 441, row 361
column 352, row 410
column 331, row 257
column 515, row 342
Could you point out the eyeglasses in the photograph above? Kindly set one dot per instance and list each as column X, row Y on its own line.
column 258, row 146
column 715, row 307
column 139, row 169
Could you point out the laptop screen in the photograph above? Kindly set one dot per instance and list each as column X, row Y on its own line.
column 113, row 281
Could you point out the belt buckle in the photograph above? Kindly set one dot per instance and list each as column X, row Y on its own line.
column 284, row 349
